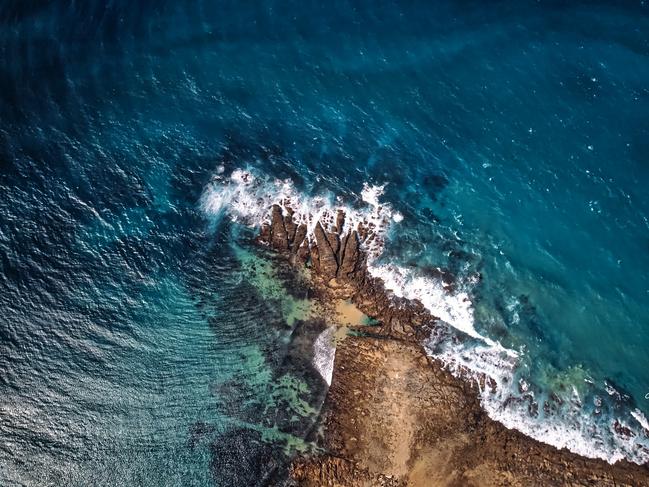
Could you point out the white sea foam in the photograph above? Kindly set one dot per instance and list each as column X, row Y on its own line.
column 371, row 194
column 456, row 309
column 247, row 199
column 570, row 430
column 572, row 427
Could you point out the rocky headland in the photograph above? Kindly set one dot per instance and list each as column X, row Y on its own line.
column 393, row 416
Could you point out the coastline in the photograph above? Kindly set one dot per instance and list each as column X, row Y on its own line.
column 394, row 416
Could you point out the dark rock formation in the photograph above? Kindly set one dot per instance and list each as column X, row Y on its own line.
column 298, row 241
column 241, row 457
column 327, row 252
column 278, row 233
column 350, row 260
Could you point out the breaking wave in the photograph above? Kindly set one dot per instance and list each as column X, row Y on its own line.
column 563, row 422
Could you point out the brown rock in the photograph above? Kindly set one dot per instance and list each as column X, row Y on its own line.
column 278, row 234
column 328, row 262
column 334, row 243
column 314, row 255
column 350, row 257
column 340, row 222
column 291, row 228
column 264, row 234
column 392, row 414
column 300, row 235
column 303, row 253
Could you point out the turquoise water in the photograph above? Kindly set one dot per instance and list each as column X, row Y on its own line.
column 137, row 344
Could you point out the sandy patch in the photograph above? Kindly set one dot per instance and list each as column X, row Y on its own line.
column 348, row 314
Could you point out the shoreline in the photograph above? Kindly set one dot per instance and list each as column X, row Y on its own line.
column 393, row 415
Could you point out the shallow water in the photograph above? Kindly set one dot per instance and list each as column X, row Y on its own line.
column 135, row 344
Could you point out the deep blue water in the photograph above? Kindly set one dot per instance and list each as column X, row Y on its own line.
column 137, row 346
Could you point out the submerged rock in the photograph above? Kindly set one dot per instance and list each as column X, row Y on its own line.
column 278, row 233
column 242, row 457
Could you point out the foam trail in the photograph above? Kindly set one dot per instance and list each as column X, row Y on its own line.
column 641, row 419
column 455, row 309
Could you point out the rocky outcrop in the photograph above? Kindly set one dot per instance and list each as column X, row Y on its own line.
column 328, row 247
column 350, row 261
column 279, row 235
column 395, row 417
column 335, row 254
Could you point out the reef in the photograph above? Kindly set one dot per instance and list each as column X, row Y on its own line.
column 394, row 416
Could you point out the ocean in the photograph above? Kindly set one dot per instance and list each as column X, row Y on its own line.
column 145, row 341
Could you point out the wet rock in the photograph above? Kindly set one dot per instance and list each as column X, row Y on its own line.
column 350, row 261
column 443, row 275
column 264, row 234
column 314, row 257
column 278, row 234
column 290, row 226
column 300, row 235
column 328, row 262
column 340, row 222
column 198, row 431
column 623, row 430
column 334, row 243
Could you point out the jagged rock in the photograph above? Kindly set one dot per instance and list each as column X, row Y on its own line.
column 264, row 234
column 303, row 252
column 278, row 234
column 363, row 231
column 291, row 227
column 314, row 255
column 300, row 235
column 350, row 259
column 340, row 222
column 328, row 262
column 334, row 243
